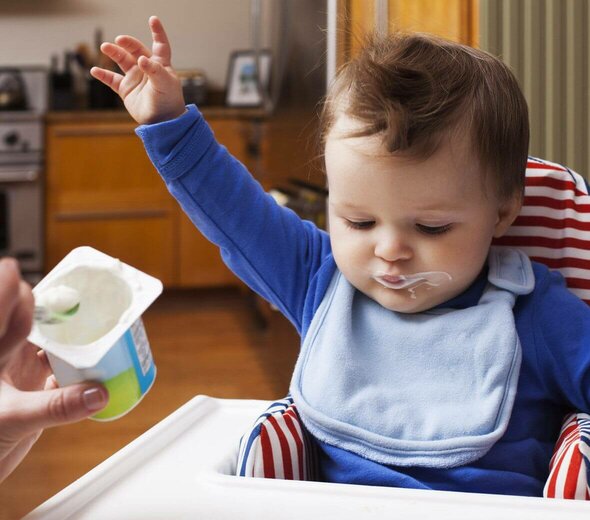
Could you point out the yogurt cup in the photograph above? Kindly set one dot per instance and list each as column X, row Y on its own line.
column 105, row 341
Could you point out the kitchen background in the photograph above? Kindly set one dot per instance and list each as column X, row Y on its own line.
column 72, row 171
column 202, row 32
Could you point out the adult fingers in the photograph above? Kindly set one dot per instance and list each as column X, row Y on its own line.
column 42, row 356
column 47, row 408
column 160, row 46
column 9, row 290
column 21, row 319
column 119, row 55
column 26, row 370
column 18, row 325
column 108, row 77
column 51, row 383
column 9, row 461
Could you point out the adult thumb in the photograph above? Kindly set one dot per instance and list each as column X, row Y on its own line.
column 47, row 408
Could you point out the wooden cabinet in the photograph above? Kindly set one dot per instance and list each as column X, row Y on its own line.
column 453, row 19
column 103, row 191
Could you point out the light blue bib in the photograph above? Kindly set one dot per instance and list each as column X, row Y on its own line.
column 431, row 389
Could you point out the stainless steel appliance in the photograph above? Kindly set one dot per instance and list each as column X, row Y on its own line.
column 21, row 174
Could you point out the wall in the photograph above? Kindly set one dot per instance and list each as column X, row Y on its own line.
column 202, row 32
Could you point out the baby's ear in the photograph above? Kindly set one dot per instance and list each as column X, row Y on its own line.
column 507, row 213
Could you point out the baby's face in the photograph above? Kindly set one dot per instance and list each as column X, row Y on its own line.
column 409, row 234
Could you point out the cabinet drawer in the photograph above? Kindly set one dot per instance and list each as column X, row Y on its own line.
column 100, row 167
column 200, row 263
column 145, row 243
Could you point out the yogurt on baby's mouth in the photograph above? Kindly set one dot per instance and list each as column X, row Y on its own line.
column 412, row 281
column 105, row 340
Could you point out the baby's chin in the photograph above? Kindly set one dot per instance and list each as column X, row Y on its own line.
column 407, row 308
column 400, row 300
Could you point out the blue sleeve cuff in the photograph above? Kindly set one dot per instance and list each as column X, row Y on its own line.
column 176, row 146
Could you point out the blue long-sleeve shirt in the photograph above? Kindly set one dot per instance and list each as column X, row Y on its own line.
column 289, row 262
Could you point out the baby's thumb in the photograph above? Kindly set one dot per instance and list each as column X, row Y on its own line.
column 156, row 72
column 70, row 404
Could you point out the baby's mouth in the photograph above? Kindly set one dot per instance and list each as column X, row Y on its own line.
column 399, row 282
column 412, row 281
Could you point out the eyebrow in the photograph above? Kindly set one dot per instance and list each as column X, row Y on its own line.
column 426, row 209
column 439, row 209
column 345, row 204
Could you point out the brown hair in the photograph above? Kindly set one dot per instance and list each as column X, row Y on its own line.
column 413, row 88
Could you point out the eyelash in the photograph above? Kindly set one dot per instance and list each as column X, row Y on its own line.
column 433, row 230
column 427, row 230
column 364, row 224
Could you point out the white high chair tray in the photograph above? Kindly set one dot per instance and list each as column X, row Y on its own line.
column 183, row 468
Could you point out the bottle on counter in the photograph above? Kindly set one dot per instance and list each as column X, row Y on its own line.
column 61, row 83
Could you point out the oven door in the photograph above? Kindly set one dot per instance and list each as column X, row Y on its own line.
column 21, row 217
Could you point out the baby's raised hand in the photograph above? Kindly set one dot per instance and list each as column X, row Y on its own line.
column 149, row 87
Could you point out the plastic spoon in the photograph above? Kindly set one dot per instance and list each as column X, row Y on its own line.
column 56, row 305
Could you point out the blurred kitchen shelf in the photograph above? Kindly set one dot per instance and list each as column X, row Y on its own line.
column 209, row 111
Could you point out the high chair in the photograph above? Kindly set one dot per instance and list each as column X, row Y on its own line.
column 190, row 464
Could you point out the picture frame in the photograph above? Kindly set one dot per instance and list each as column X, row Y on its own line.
column 241, row 88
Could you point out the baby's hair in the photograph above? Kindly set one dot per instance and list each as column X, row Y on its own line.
column 413, row 89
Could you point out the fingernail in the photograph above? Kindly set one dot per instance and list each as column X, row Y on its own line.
column 93, row 399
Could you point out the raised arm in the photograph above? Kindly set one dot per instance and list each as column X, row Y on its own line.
column 269, row 247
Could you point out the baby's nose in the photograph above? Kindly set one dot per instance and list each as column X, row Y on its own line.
column 392, row 247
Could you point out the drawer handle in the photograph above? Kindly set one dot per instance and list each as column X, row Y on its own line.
column 110, row 215
column 83, row 132
column 19, row 175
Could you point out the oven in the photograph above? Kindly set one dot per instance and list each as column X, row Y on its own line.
column 21, row 217
column 22, row 176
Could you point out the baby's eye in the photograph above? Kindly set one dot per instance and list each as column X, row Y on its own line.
column 360, row 224
column 433, row 230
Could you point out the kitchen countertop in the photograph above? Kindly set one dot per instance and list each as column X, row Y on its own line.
column 121, row 116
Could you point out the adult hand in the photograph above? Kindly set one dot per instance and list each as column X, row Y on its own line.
column 149, row 87
column 29, row 397
column 16, row 307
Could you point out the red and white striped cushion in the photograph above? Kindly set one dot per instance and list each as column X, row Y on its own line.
column 570, row 464
column 553, row 227
column 278, row 446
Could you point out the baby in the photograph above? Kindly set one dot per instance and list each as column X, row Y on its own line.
column 429, row 358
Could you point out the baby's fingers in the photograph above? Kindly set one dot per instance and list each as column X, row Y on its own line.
column 161, row 46
column 108, row 77
column 120, row 56
column 158, row 75
column 133, row 46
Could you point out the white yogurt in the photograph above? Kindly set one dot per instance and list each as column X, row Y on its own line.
column 106, row 297
column 59, row 299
